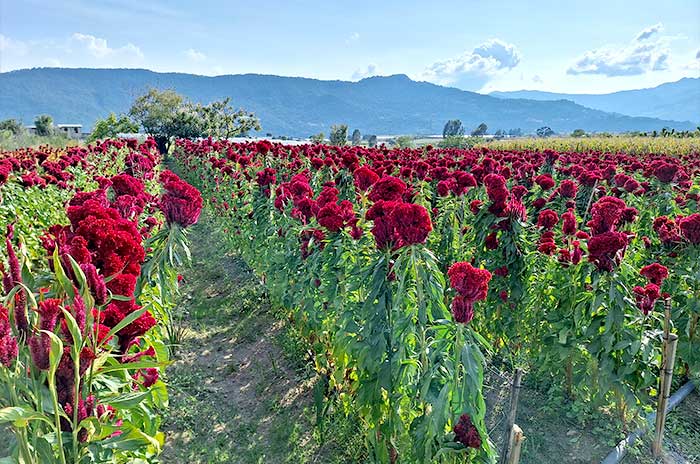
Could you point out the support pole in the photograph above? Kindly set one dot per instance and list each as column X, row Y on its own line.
column 664, row 392
column 510, row 422
column 516, row 437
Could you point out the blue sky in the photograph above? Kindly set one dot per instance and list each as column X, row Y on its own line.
column 587, row 47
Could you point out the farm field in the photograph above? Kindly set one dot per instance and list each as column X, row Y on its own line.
column 344, row 304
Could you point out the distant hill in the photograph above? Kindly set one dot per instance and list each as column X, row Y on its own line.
column 678, row 100
column 297, row 106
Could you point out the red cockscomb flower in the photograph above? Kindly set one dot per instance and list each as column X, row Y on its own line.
column 655, row 273
column 690, row 228
column 466, row 433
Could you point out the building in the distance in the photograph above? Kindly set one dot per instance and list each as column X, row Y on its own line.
column 72, row 131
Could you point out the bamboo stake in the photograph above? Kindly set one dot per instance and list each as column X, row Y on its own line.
column 510, row 422
column 517, row 437
column 664, row 393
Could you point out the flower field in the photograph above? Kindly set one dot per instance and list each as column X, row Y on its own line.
column 406, row 270
column 93, row 239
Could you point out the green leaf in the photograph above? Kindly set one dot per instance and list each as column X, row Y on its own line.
column 128, row 400
column 20, row 416
column 73, row 328
column 61, row 276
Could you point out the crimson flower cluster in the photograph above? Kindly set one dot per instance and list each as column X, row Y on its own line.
column 466, row 432
column 180, row 203
column 646, row 296
column 472, row 285
column 607, row 246
column 396, row 224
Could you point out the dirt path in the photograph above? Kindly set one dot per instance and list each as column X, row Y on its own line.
column 241, row 391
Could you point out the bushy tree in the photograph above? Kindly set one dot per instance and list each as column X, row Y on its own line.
column 578, row 133
column 165, row 115
column 339, row 134
column 545, row 131
column 452, row 128
column 318, row 138
column 221, row 121
column 459, row 141
column 111, row 126
column 372, row 141
column 480, row 130
column 404, row 141
column 44, row 125
column 356, row 137
column 517, row 132
column 11, row 125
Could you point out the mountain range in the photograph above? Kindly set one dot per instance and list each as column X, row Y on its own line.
column 296, row 106
column 678, row 100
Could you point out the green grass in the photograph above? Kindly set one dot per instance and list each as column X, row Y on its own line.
column 242, row 388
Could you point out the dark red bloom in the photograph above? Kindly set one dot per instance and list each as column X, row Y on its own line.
column 383, row 228
column 470, row 282
column 655, row 273
column 605, row 250
column 667, row 230
column 690, row 228
column 568, row 188
column 8, row 343
column 547, row 219
column 330, row 217
column 388, row 188
column 545, row 181
column 364, row 178
column 411, row 222
column 181, row 203
column 466, row 433
column 646, row 297
column 606, row 213
column 569, row 223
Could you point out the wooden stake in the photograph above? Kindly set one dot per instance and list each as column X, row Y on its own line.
column 664, row 391
column 517, row 437
column 510, row 422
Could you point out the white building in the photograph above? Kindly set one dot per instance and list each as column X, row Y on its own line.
column 72, row 131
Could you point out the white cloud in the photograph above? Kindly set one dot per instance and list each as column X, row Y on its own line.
column 9, row 45
column 99, row 48
column 354, row 37
column 195, row 55
column 473, row 69
column 649, row 31
column 647, row 52
column 361, row 73
column 537, row 79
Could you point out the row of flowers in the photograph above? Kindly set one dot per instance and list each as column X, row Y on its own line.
column 571, row 251
column 82, row 338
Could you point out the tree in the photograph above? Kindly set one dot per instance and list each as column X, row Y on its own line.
column 166, row 114
column 544, row 131
column 578, row 133
column 404, row 141
column 480, row 130
column 372, row 141
column 517, row 132
column 356, row 137
column 11, row 125
column 44, row 125
column 110, row 127
column 221, row 121
column 339, row 134
column 160, row 113
column 452, row 128
column 318, row 138
column 499, row 134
